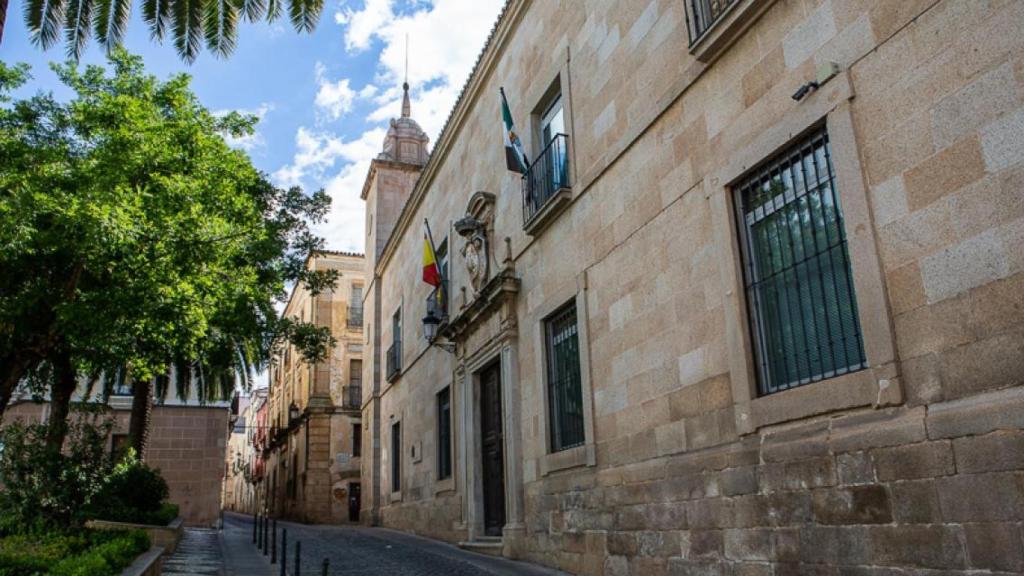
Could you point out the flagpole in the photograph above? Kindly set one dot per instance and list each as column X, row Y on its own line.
column 433, row 249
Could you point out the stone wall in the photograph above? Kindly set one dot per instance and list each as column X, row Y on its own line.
column 912, row 463
column 187, row 444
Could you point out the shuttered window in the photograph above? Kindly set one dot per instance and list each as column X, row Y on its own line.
column 799, row 287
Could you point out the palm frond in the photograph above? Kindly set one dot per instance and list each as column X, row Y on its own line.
column 220, row 20
column 110, row 21
column 274, row 9
column 77, row 27
column 43, row 19
column 305, row 14
column 156, row 14
column 187, row 28
column 252, row 10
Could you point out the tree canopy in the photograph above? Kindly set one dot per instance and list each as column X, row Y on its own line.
column 135, row 237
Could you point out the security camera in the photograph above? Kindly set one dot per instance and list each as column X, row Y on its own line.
column 804, row 90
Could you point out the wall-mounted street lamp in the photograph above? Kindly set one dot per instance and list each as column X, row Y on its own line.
column 293, row 413
column 430, row 324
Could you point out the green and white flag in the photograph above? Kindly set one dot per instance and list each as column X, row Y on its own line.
column 515, row 157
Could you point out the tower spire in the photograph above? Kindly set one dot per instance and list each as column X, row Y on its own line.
column 406, row 106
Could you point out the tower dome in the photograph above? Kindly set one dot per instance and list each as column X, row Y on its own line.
column 406, row 141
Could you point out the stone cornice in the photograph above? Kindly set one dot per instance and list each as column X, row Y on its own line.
column 510, row 17
column 497, row 291
column 387, row 164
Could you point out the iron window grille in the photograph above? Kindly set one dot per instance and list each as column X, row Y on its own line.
column 703, row 14
column 548, row 174
column 357, row 440
column 799, row 286
column 565, row 389
column 444, row 434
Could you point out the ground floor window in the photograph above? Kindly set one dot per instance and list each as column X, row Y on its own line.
column 565, row 387
column 444, row 434
column 799, row 287
column 396, row 457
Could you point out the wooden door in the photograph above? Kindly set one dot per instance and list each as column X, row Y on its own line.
column 492, row 450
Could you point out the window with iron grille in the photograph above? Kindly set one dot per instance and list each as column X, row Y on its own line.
column 565, row 389
column 799, row 287
column 703, row 14
column 357, row 440
column 444, row 434
column 396, row 457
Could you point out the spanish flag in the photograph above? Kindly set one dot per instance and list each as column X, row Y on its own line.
column 431, row 272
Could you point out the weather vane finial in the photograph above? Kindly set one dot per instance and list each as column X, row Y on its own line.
column 406, row 107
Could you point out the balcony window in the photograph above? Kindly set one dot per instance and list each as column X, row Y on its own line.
column 353, row 392
column 549, row 173
column 565, row 388
column 799, row 288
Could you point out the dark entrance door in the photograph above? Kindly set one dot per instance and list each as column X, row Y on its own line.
column 353, row 502
column 493, row 450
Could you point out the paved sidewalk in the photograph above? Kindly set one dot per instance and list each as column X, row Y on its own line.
column 361, row 551
column 241, row 556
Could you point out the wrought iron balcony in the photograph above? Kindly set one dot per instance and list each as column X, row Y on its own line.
column 548, row 176
column 355, row 317
column 394, row 360
column 352, row 395
column 703, row 14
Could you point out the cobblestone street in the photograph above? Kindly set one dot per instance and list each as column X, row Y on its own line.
column 356, row 551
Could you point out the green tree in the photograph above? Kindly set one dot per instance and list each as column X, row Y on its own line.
column 134, row 238
column 189, row 23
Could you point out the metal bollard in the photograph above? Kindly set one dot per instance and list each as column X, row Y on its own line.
column 323, row 570
column 254, row 517
column 266, row 526
column 298, row 556
column 273, row 542
column 284, row 550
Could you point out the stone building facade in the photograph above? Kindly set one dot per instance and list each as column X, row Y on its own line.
column 313, row 450
column 755, row 308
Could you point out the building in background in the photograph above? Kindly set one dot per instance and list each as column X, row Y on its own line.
column 187, row 442
column 754, row 306
column 313, row 450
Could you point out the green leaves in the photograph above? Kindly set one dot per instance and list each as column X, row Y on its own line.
column 140, row 239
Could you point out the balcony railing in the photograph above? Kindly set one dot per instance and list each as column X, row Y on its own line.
column 703, row 14
column 355, row 317
column 352, row 395
column 546, row 177
column 437, row 302
column 394, row 360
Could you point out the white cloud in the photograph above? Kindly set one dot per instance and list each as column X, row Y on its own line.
column 363, row 24
column 445, row 38
column 335, row 98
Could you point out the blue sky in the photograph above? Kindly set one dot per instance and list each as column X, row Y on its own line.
column 324, row 98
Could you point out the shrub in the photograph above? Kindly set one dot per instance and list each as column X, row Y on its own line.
column 133, row 492
column 45, row 486
column 87, row 553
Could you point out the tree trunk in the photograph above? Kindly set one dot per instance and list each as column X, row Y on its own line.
column 142, row 409
column 12, row 369
column 3, row 18
column 63, row 388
